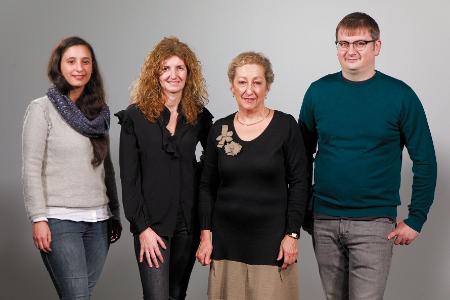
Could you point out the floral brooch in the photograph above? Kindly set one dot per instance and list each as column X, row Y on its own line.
column 226, row 142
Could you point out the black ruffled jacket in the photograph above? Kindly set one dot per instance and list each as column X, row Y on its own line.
column 159, row 171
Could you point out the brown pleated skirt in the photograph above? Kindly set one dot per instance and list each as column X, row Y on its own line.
column 231, row 280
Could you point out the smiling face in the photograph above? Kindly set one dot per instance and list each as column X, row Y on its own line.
column 358, row 65
column 76, row 66
column 249, row 87
column 173, row 75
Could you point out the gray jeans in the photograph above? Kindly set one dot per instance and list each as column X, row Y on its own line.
column 354, row 257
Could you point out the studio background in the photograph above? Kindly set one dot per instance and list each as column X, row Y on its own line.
column 298, row 38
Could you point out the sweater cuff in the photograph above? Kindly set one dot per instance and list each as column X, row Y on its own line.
column 415, row 223
column 205, row 223
column 39, row 219
column 140, row 225
column 293, row 225
column 291, row 229
column 115, row 212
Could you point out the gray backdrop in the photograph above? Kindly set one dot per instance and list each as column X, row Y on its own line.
column 298, row 38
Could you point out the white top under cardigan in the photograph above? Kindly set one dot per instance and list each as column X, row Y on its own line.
column 76, row 214
column 57, row 170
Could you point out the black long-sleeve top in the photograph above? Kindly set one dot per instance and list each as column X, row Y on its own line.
column 251, row 200
column 159, row 171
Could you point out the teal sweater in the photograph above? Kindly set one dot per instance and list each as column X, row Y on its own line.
column 360, row 129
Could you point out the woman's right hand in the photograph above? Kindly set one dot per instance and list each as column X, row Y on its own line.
column 42, row 236
column 204, row 248
column 150, row 243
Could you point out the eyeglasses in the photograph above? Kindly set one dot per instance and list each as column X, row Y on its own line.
column 357, row 45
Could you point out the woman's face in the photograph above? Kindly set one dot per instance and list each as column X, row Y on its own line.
column 76, row 66
column 249, row 87
column 173, row 75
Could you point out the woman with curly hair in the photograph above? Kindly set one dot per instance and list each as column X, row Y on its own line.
column 68, row 177
column 158, row 166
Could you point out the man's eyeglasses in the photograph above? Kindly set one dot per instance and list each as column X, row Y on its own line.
column 357, row 45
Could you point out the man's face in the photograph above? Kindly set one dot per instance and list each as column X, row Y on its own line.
column 357, row 62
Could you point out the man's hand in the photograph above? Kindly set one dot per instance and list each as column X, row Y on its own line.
column 403, row 234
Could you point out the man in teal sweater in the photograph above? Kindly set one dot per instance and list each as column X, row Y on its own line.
column 359, row 120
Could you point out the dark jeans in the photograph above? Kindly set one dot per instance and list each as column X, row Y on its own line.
column 78, row 254
column 354, row 257
column 170, row 280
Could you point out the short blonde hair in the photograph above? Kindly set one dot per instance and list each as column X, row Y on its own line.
column 248, row 58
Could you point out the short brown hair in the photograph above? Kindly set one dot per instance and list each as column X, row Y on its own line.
column 147, row 93
column 359, row 21
column 247, row 58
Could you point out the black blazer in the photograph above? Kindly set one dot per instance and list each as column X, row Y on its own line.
column 159, row 171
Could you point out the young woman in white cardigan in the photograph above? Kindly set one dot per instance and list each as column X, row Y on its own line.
column 68, row 177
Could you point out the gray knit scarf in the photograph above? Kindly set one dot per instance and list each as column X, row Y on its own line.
column 95, row 128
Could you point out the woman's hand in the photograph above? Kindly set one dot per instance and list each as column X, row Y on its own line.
column 204, row 248
column 114, row 230
column 150, row 243
column 288, row 251
column 42, row 236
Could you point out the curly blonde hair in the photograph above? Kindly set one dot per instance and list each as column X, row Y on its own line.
column 147, row 92
column 250, row 58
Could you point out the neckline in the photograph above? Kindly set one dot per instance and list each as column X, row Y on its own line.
column 165, row 118
column 275, row 114
column 359, row 83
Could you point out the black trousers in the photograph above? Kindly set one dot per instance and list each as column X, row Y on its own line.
column 170, row 280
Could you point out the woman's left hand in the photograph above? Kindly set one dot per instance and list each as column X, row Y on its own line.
column 114, row 230
column 205, row 247
column 288, row 251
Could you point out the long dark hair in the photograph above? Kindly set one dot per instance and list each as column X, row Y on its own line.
column 91, row 100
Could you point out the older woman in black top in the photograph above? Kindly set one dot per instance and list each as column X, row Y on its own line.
column 160, row 132
column 253, row 192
